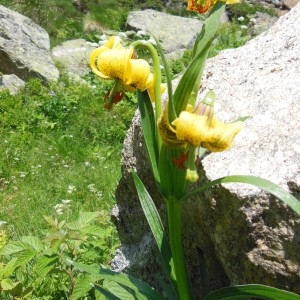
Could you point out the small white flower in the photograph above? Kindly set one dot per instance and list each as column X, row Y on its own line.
column 71, row 189
column 87, row 164
column 67, row 201
column 152, row 41
column 2, row 223
column 58, row 206
column 141, row 33
column 241, row 19
column 122, row 35
column 59, row 212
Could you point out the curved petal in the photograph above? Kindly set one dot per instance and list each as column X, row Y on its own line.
column 191, row 128
column 212, row 134
column 138, row 74
column 115, row 63
column 222, row 136
column 94, row 60
column 114, row 42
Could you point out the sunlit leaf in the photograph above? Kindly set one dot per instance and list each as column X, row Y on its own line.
column 209, row 27
column 251, row 290
column 82, row 286
column 107, row 294
column 51, row 221
column 172, row 113
column 33, row 241
column 129, row 281
column 88, row 217
column 25, row 256
column 120, row 291
column 190, row 77
column 264, row 184
column 45, row 264
column 14, row 247
column 149, row 131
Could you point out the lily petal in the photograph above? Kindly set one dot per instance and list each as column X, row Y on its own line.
column 212, row 134
column 138, row 74
column 113, row 43
column 115, row 63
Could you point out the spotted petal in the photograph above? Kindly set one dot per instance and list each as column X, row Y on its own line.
column 115, row 63
column 212, row 134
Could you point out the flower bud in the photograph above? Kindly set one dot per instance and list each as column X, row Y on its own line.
column 206, row 106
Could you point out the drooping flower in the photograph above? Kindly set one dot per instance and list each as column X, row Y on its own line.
column 212, row 134
column 197, row 128
column 112, row 61
column 203, row 6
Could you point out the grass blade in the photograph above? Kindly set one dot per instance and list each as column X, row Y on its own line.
column 251, row 290
column 264, row 184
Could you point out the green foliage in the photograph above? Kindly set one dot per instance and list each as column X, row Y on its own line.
column 245, row 9
column 229, row 35
column 180, row 64
column 56, row 137
column 38, row 268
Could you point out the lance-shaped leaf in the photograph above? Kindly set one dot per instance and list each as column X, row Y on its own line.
column 130, row 282
column 149, row 130
column 251, row 290
column 157, row 229
column 264, row 184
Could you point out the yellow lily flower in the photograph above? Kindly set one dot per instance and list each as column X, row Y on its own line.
column 202, row 6
column 112, row 61
column 199, row 131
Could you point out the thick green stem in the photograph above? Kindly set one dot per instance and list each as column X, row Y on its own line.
column 175, row 235
column 157, row 80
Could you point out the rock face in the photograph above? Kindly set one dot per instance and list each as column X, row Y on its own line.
column 11, row 82
column 244, row 234
column 176, row 33
column 74, row 56
column 24, row 48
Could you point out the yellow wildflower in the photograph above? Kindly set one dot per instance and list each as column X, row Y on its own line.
column 202, row 6
column 112, row 61
column 211, row 134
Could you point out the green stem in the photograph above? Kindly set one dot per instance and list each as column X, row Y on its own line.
column 157, row 81
column 175, row 235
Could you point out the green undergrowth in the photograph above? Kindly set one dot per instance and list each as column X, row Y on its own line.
column 58, row 143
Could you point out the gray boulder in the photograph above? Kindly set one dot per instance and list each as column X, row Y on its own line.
column 24, row 48
column 74, row 56
column 243, row 233
column 175, row 33
column 11, row 82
